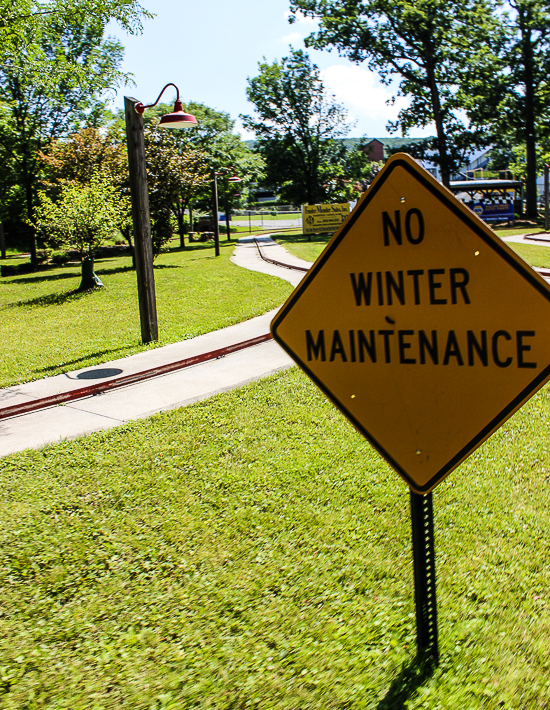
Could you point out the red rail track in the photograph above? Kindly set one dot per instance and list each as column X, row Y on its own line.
column 126, row 380
column 91, row 390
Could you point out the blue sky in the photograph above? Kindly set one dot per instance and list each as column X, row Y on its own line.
column 209, row 48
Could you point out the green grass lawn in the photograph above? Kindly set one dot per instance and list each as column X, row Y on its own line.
column 252, row 551
column 299, row 245
column 47, row 328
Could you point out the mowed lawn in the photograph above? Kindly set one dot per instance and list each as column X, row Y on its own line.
column 252, row 551
column 299, row 245
column 47, row 327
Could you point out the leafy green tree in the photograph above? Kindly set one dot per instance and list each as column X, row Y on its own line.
column 507, row 87
column 38, row 107
column 297, row 125
column 82, row 218
column 176, row 174
column 25, row 26
column 78, row 157
column 426, row 44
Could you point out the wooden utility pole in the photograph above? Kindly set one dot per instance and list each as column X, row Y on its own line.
column 143, row 245
column 215, row 211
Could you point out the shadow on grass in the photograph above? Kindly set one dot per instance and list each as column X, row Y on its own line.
column 88, row 356
column 41, row 276
column 411, row 677
column 51, row 299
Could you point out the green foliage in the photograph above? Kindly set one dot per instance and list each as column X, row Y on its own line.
column 297, row 125
column 25, row 24
column 507, row 84
column 83, row 217
column 176, row 174
column 75, row 159
column 426, row 44
column 39, row 105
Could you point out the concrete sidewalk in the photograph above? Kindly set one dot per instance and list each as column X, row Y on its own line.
column 246, row 255
column 142, row 399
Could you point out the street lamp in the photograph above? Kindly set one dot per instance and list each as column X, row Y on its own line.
column 214, row 178
column 143, row 246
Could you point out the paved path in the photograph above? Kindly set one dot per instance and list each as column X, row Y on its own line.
column 176, row 389
column 246, row 255
column 541, row 239
column 143, row 399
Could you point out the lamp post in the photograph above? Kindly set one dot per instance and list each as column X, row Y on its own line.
column 143, row 246
column 214, row 178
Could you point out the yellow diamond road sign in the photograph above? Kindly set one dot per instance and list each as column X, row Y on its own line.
column 420, row 324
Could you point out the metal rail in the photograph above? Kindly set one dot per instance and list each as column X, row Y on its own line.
column 126, row 380
column 279, row 263
column 101, row 387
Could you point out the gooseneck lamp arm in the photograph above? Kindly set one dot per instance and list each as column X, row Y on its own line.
column 140, row 108
column 177, row 119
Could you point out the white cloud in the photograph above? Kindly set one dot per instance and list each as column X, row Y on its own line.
column 293, row 38
column 362, row 94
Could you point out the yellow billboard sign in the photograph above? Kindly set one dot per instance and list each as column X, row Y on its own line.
column 323, row 218
column 420, row 324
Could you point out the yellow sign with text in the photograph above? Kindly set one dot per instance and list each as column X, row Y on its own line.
column 420, row 324
column 317, row 219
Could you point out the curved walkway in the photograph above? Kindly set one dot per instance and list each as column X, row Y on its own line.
column 144, row 398
column 246, row 255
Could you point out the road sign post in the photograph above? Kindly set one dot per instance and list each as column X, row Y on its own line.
column 427, row 332
column 422, row 524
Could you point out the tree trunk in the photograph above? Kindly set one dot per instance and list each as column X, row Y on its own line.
column 444, row 165
column 181, row 230
column 529, row 117
column 127, row 234
column 30, row 217
column 89, row 278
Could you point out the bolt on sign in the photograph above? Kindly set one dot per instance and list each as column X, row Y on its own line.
column 317, row 219
column 420, row 324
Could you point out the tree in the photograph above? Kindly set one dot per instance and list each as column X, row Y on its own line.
column 24, row 24
column 82, row 218
column 426, row 43
column 297, row 125
column 77, row 158
column 508, row 85
column 176, row 174
column 41, row 106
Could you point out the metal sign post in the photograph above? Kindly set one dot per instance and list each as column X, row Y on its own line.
column 422, row 523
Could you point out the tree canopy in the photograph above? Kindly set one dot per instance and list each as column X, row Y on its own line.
column 297, row 123
column 425, row 43
column 38, row 106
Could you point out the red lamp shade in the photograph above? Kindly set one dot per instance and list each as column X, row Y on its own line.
column 178, row 119
column 234, row 178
